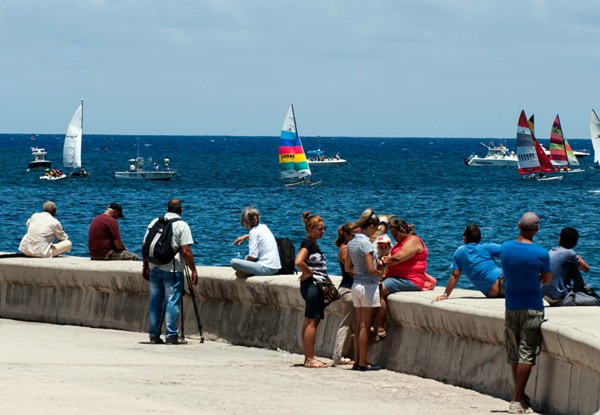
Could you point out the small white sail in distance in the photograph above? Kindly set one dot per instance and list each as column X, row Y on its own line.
column 72, row 146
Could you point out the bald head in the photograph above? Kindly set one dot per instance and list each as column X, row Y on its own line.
column 50, row 207
column 174, row 206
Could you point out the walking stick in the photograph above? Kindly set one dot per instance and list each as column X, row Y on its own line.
column 193, row 296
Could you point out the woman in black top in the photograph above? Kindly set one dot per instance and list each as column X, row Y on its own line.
column 313, row 267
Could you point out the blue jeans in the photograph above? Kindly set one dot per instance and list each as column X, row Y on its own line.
column 251, row 267
column 164, row 287
column 395, row 284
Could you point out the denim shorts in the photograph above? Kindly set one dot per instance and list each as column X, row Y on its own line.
column 394, row 285
column 366, row 295
column 523, row 335
column 315, row 307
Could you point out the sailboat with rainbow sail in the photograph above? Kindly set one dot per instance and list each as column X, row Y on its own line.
column 293, row 166
column 531, row 158
column 561, row 153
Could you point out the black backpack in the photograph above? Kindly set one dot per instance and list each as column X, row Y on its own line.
column 157, row 247
column 287, row 256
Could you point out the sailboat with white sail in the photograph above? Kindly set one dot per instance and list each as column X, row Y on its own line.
column 293, row 166
column 72, row 146
column 595, row 136
column 531, row 157
column 561, row 153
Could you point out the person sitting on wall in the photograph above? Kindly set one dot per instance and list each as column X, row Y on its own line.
column 476, row 261
column 104, row 236
column 566, row 266
column 42, row 229
column 263, row 255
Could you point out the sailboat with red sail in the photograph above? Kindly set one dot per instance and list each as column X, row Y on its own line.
column 531, row 158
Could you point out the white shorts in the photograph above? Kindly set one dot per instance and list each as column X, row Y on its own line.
column 365, row 295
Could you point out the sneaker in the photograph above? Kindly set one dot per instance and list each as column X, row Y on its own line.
column 156, row 340
column 342, row 361
column 369, row 367
column 519, row 408
column 175, row 340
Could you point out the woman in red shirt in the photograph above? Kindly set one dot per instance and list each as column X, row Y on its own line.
column 405, row 266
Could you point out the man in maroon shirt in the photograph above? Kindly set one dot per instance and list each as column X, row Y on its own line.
column 104, row 237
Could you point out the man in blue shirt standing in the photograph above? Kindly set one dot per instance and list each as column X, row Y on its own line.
column 476, row 261
column 525, row 265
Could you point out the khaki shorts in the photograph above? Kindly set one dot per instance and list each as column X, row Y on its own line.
column 523, row 335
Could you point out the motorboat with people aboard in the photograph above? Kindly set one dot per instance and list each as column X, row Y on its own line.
column 138, row 171
column 53, row 174
column 318, row 158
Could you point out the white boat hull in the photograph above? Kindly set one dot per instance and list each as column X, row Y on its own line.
column 62, row 176
column 477, row 161
column 145, row 175
column 326, row 162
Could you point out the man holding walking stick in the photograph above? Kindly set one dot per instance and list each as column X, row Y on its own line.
column 167, row 249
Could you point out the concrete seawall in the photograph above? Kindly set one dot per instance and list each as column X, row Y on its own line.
column 458, row 341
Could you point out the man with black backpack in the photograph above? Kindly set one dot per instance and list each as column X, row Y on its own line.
column 166, row 250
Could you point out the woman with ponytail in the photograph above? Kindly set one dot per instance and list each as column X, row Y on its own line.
column 312, row 264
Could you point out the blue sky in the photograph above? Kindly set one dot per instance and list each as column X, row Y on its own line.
column 351, row 68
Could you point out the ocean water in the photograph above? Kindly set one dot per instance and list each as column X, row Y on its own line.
column 423, row 180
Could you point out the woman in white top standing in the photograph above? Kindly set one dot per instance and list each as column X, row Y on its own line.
column 365, row 289
column 263, row 256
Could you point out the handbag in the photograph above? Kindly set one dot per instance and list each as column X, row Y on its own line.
column 329, row 291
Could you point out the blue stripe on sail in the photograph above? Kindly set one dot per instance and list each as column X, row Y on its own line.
column 288, row 135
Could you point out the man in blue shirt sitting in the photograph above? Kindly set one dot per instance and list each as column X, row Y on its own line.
column 476, row 261
column 566, row 266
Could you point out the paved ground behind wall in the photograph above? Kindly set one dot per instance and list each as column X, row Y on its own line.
column 53, row 369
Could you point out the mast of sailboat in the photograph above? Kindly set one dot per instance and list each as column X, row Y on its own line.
column 82, row 115
column 564, row 142
column 294, row 117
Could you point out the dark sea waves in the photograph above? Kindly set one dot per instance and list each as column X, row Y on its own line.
column 423, row 180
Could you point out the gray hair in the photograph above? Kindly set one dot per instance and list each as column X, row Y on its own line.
column 49, row 207
column 250, row 217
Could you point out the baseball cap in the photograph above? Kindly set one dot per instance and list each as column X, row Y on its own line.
column 529, row 221
column 117, row 207
column 384, row 239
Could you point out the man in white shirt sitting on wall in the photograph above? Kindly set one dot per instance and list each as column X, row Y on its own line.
column 42, row 229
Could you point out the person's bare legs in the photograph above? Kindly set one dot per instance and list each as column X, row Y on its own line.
column 309, row 333
column 521, row 374
column 365, row 318
column 241, row 274
column 379, row 324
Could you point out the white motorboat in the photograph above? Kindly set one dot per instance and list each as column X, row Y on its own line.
column 496, row 156
column 137, row 170
column 39, row 159
column 318, row 158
